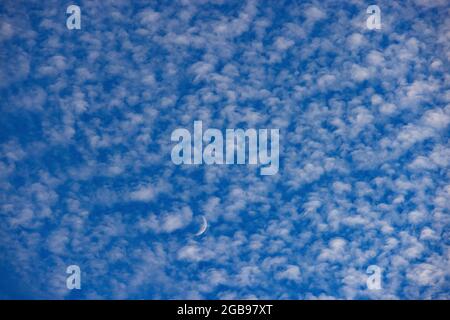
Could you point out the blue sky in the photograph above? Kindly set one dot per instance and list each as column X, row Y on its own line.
column 86, row 176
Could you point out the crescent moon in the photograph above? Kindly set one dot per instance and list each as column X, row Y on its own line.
column 203, row 227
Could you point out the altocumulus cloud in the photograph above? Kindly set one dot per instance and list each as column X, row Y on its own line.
column 85, row 170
